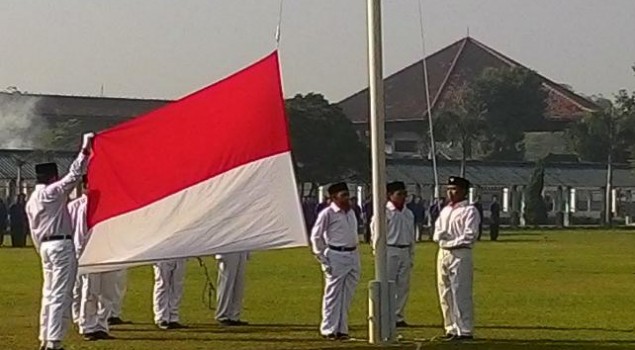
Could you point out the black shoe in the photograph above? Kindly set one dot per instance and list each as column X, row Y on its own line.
column 454, row 337
column 101, row 335
column 465, row 337
column 91, row 336
column 329, row 336
column 402, row 324
column 176, row 325
column 115, row 321
column 163, row 325
column 232, row 323
column 342, row 336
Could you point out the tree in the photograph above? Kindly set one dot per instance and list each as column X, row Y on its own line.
column 535, row 207
column 326, row 147
column 461, row 121
column 607, row 136
column 515, row 102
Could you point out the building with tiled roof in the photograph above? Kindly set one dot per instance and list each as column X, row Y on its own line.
column 459, row 63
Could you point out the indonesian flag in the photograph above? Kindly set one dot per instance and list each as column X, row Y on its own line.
column 210, row 173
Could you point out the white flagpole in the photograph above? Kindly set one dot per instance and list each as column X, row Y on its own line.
column 382, row 319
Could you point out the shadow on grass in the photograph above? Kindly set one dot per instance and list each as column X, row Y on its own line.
column 552, row 328
column 311, row 343
column 534, row 328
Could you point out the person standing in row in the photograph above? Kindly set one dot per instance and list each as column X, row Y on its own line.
column 455, row 232
column 334, row 242
column 52, row 235
column 92, row 318
column 230, row 288
column 495, row 218
column 18, row 222
column 4, row 214
column 169, row 277
column 400, row 245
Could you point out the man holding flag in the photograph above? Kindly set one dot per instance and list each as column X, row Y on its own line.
column 52, row 235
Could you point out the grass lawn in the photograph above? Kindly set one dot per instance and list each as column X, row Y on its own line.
column 533, row 290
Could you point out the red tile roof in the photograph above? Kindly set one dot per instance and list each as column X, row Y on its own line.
column 460, row 62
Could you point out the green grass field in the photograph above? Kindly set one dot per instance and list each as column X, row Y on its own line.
column 533, row 290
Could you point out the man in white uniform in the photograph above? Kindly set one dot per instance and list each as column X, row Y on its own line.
column 334, row 242
column 455, row 231
column 230, row 288
column 92, row 319
column 168, row 289
column 400, row 241
column 52, row 235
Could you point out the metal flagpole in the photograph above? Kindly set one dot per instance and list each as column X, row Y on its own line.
column 381, row 315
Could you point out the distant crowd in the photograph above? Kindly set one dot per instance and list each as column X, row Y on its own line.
column 13, row 221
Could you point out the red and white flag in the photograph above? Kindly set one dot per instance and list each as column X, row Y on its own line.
column 209, row 173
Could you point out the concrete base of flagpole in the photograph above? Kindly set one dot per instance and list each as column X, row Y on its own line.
column 381, row 314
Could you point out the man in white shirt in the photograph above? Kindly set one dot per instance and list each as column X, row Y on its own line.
column 93, row 319
column 400, row 242
column 230, row 288
column 455, row 232
column 52, row 236
column 334, row 242
column 169, row 277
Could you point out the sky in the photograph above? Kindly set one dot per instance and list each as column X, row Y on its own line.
column 167, row 49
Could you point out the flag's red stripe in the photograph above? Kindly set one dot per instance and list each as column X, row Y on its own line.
column 231, row 123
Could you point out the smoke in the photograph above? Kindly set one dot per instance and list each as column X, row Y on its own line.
column 20, row 125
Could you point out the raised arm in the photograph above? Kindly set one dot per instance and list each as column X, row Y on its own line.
column 75, row 172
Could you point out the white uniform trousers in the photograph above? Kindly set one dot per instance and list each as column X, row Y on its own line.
column 341, row 274
column 59, row 266
column 120, row 291
column 77, row 298
column 168, row 290
column 399, row 270
column 454, row 279
column 230, row 286
column 93, row 315
column 112, row 288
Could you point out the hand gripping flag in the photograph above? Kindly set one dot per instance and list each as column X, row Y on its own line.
column 209, row 173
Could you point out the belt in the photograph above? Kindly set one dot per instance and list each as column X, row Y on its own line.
column 342, row 249
column 458, row 247
column 400, row 246
column 56, row 238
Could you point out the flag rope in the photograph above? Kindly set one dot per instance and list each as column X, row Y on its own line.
column 433, row 151
column 209, row 291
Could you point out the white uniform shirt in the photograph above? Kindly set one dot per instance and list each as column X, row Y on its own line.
column 77, row 210
column 457, row 226
column 334, row 227
column 46, row 208
column 400, row 226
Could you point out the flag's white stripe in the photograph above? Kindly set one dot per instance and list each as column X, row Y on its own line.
column 252, row 207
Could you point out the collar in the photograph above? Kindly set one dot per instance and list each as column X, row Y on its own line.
column 335, row 208
column 39, row 186
column 458, row 204
column 391, row 206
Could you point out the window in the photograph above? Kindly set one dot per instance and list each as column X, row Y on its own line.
column 406, row 146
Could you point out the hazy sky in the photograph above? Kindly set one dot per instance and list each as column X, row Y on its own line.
column 165, row 49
